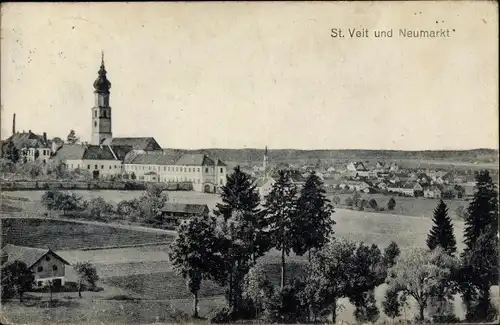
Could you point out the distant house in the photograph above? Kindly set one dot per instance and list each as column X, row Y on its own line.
column 151, row 177
column 408, row 189
column 331, row 184
column 380, row 165
column 470, row 189
column 356, row 166
column 382, row 185
column 393, row 167
column 31, row 146
column 45, row 264
column 331, row 169
column 417, row 187
column 264, row 185
column 432, row 193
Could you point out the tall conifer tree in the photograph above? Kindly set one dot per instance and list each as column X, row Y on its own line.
column 480, row 256
column 441, row 233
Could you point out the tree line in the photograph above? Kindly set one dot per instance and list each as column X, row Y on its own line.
column 228, row 248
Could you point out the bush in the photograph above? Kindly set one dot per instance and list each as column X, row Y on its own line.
column 222, row 316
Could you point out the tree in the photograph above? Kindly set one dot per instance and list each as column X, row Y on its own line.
column 86, row 274
column 16, row 278
column 336, row 199
column 480, row 256
column 240, row 198
column 391, row 204
column 373, row 204
column 392, row 303
column 329, row 276
column 391, row 253
column 151, row 203
column 313, row 223
column 10, row 151
column 72, row 138
column 420, row 273
column 441, row 233
column 195, row 254
column 368, row 271
column 98, row 208
column 281, row 212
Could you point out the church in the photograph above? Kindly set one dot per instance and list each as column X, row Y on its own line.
column 139, row 158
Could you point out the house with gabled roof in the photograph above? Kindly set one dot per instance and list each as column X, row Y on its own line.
column 45, row 264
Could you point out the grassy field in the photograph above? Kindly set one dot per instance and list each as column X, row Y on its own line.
column 408, row 206
column 62, row 235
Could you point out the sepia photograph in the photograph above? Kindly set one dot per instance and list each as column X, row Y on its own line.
column 249, row 162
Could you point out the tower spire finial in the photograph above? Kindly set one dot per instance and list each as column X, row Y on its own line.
column 102, row 57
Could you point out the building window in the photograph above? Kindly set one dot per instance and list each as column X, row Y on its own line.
column 47, row 258
column 222, row 170
column 88, row 166
column 54, row 267
column 189, row 169
column 71, row 166
column 206, row 170
column 40, row 269
column 164, row 168
column 104, row 114
column 95, row 123
column 199, row 169
column 96, row 167
column 95, row 114
column 102, row 166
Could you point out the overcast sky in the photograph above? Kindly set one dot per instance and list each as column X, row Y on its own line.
column 224, row 75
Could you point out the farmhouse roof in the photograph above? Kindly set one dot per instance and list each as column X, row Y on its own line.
column 185, row 208
column 220, row 162
column 28, row 255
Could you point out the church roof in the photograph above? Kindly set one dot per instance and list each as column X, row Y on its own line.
column 141, row 143
column 87, row 152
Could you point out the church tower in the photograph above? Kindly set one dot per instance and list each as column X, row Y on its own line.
column 265, row 163
column 101, row 112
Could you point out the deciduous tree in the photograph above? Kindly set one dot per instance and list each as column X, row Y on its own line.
column 195, row 254
column 87, row 274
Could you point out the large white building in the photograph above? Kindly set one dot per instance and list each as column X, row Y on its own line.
column 136, row 158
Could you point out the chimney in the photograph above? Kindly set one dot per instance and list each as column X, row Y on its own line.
column 14, row 124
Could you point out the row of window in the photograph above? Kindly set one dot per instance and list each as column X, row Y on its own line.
column 165, row 168
column 43, row 152
column 168, row 168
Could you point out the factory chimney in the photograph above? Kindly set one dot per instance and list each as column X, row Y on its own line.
column 14, row 124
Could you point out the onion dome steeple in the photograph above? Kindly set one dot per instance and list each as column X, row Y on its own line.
column 102, row 84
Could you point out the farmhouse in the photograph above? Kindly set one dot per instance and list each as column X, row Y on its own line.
column 45, row 264
column 180, row 212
